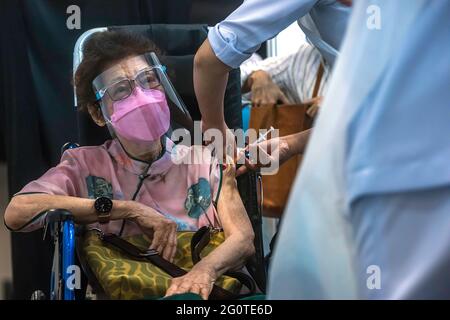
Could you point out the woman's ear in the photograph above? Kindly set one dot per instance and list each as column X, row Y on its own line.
column 96, row 114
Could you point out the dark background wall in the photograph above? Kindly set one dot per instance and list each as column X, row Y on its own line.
column 36, row 99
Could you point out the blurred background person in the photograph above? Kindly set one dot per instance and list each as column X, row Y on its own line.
column 285, row 79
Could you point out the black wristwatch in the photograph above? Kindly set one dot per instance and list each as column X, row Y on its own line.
column 103, row 207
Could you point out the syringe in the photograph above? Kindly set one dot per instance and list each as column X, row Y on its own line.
column 264, row 136
column 261, row 138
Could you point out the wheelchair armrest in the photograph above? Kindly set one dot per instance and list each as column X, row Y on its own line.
column 69, row 145
column 54, row 216
column 58, row 215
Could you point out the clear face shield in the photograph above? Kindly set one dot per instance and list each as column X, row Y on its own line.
column 139, row 103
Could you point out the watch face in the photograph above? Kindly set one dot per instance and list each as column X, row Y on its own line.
column 103, row 205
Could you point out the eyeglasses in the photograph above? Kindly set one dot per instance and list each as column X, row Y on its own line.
column 146, row 79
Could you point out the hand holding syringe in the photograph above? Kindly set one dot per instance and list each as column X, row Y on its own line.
column 244, row 151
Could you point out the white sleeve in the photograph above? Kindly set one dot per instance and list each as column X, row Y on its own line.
column 255, row 21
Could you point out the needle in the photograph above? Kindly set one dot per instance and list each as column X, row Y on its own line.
column 261, row 138
column 264, row 136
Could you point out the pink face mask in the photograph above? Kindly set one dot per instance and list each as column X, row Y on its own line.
column 142, row 117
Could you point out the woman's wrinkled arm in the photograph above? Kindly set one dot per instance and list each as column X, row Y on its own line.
column 24, row 210
column 239, row 235
column 232, row 253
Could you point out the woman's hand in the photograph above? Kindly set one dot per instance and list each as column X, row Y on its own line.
column 198, row 280
column 313, row 109
column 264, row 90
column 160, row 229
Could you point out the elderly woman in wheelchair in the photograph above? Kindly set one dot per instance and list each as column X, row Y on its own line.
column 131, row 185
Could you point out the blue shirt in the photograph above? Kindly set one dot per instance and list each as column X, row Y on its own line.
column 383, row 131
column 255, row 21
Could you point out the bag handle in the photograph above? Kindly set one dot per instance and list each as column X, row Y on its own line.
column 153, row 257
column 215, row 202
column 318, row 80
column 308, row 121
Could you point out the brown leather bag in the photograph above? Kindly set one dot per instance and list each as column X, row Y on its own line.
column 289, row 119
